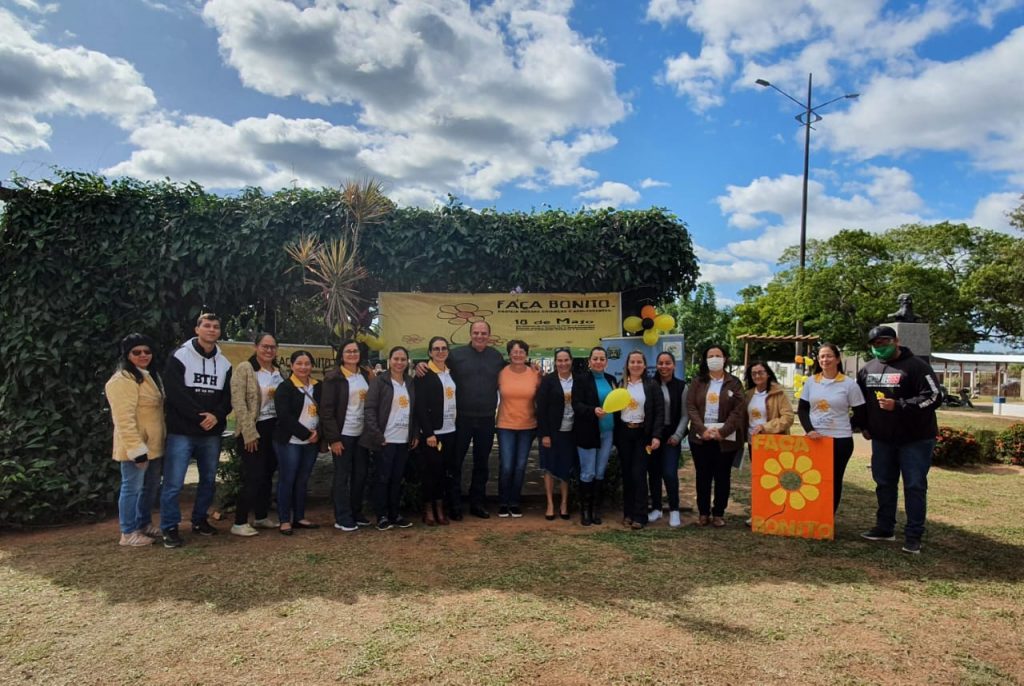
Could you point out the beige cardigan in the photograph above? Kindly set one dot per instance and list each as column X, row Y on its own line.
column 138, row 413
column 245, row 400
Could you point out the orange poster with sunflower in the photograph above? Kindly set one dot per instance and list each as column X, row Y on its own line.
column 791, row 490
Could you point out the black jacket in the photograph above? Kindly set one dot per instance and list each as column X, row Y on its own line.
column 335, row 404
column 551, row 405
column 584, row 401
column 912, row 383
column 288, row 401
column 378, row 409
column 196, row 381
column 676, row 409
column 429, row 403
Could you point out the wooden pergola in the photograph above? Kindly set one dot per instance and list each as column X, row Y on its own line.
column 749, row 338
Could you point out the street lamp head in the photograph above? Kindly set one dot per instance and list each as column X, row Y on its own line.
column 852, row 95
column 762, row 82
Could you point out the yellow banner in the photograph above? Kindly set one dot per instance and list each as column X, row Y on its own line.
column 240, row 351
column 544, row 320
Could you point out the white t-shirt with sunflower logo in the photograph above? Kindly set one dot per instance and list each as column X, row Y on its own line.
column 711, row 402
column 831, row 401
column 448, row 413
column 757, row 410
column 268, row 383
column 357, row 390
column 310, row 416
column 634, row 411
column 397, row 430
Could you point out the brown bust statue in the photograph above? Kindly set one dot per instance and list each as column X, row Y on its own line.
column 905, row 313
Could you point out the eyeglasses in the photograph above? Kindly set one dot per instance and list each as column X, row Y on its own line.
column 351, row 352
column 759, row 373
column 137, row 353
column 267, row 347
column 438, row 349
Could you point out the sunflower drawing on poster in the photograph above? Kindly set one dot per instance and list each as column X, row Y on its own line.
column 791, row 486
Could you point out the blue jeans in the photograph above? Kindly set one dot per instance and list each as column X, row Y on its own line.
column 513, row 451
column 294, row 466
column 177, row 453
column 138, row 489
column 479, row 430
column 912, row 461
column 663, row 466
column 593, row 461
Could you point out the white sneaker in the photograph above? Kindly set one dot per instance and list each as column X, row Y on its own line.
column 653, row 516
column 673, row 519
column 135, row 540
column 244, row 530
column 266, row 523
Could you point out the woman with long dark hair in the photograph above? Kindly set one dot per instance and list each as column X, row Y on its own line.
column 253, row 385
column 717, row 411
column 663, row 465
column 297, row 435
column 136, row 400
column 593, row 429
column 390, row 432
column 637, row 436
column 435, row 414
column 344, row 400
column 555, row 428
column 826, row 401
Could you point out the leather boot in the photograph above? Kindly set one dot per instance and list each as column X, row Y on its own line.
column 428, row 515
column 596, row 498
column 441, row 517
column 585, row 490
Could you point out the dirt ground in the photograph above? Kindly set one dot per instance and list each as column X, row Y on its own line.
column 531, row 601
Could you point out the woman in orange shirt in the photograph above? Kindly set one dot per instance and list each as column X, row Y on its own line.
column 517, row 424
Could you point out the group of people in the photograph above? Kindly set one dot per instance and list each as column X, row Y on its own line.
column 465, row 396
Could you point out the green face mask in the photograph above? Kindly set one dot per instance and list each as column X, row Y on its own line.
column 884, row 352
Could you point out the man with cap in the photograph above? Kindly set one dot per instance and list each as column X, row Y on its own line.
column 901, row 426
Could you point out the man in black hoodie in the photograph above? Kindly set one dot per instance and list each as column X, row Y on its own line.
column 197, row 381
column 902, row 395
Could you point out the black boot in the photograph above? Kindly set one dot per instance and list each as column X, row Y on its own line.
column 586, row 489
column 596, row 499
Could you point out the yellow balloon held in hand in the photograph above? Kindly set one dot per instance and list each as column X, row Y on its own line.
column 616, row 400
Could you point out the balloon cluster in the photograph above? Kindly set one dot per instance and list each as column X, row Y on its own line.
column 803, row 362
column 651, row 323
column 372, row 342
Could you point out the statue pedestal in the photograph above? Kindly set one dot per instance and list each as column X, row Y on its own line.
column 914, row 335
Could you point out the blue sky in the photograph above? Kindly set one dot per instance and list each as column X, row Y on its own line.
column 520, row 104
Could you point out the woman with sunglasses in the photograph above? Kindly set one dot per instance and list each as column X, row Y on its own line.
column 136, row 400
column 435, row 414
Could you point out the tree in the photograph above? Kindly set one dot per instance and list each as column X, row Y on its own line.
column 852, row 280
column 701, row 319
column 998, row 288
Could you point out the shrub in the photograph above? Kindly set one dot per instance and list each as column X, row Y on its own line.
column 954, row 447
column 987, row 444
column 1009, row 445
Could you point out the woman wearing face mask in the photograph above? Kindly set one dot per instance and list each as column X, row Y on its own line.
column 663, row 466
column 593, row 429
column 637, row 436
column 555, row 424
column 136, row 400
column 297, row 435
column 716, row 408
column 826, row 401
column 253, row 385
column 390, row 433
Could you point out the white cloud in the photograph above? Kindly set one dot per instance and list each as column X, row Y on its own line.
column 991, row 212
column 653, row 183
column 738, row 271
column 41, row 79
column 447, row 98
column 973, row 105
column 36, row 6
column 609, row 194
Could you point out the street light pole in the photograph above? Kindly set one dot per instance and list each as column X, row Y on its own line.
column 806, row 118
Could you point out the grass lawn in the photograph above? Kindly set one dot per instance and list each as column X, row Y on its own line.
column 531, row 601
column 969, row 419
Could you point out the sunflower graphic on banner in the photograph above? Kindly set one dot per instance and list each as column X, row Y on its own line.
column 791, row 489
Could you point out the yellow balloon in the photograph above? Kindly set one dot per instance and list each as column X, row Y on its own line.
column 650, row 337
column 616, row 400
column 374, row 343
column 632, row 324
column 664, row 322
